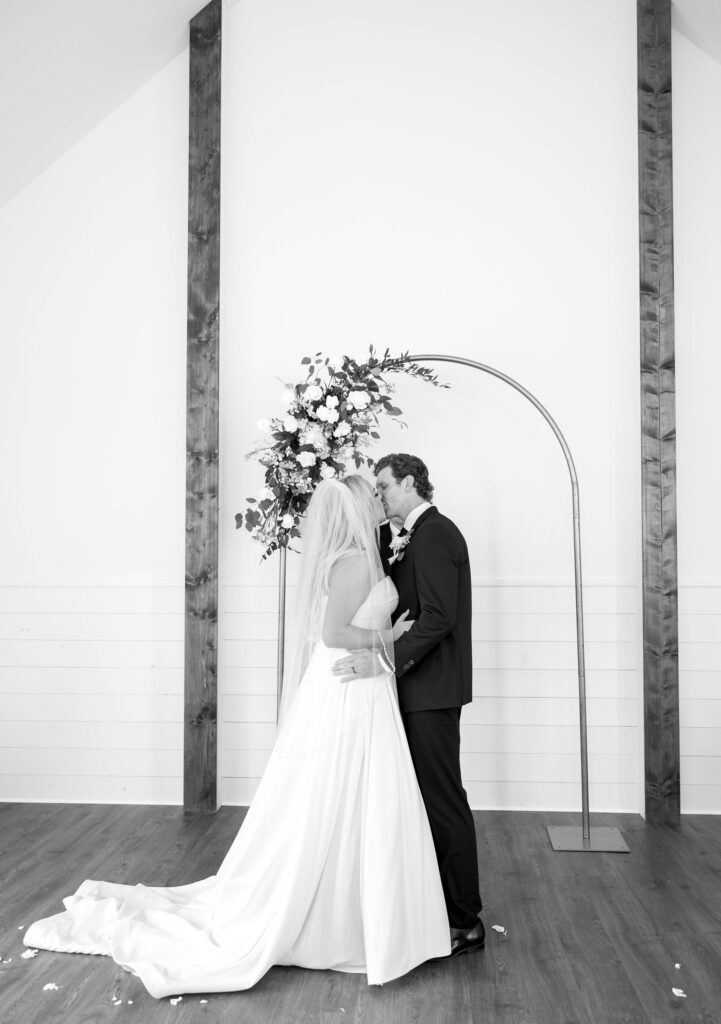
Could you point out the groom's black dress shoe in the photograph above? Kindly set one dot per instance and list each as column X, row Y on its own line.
column 465, row 941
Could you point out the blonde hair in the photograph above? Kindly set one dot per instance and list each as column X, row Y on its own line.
column 340, row 521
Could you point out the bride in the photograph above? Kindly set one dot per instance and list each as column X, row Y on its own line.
column 334, row 865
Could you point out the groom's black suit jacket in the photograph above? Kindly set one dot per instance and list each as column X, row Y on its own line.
column 433, row 579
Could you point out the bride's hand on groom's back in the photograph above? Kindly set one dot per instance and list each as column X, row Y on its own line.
column 402, row 625
column 361, row 664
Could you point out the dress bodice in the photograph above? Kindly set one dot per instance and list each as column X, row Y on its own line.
column 379, row 605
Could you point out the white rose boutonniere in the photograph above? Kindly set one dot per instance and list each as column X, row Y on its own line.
column 398, row 546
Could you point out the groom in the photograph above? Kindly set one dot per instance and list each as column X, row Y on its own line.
column 428, row 563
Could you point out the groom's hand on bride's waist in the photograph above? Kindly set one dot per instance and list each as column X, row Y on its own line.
column 358, row 665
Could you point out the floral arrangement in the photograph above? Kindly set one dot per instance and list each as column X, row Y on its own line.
column 330, row 418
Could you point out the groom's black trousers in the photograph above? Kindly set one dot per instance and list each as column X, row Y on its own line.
column 434, row 739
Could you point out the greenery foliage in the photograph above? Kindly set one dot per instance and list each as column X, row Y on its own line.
column 331, row 419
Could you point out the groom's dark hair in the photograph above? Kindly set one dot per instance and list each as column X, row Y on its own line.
column 408, row 465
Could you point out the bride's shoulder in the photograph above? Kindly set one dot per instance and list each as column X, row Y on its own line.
column 350, row 559
column 351, row 564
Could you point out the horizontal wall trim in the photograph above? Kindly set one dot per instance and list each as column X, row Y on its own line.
column 75, row 583
column 109, row 790
column 478, row 581
column 549, row 712
column 531, row 683
column 115, row 735
column 563, row 796
column 508, row 626
column 92, row 627
column 487, row 654
column 90, row 583
column 483, row 766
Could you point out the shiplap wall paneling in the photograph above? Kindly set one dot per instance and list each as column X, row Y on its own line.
column 92, row 693
column 697, row 225
column 520, row 737
column 700, row 697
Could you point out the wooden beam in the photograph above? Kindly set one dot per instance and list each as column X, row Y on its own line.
column 658, row 415
column 200, row 791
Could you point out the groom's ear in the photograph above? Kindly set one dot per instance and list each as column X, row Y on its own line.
column 411, row 482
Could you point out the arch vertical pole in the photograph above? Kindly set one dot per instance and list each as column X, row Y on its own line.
column 280, row 656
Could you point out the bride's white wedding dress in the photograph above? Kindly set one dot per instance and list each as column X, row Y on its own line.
column 333, row 867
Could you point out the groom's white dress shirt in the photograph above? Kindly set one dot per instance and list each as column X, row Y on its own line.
column 411, row 518
column 415, row 515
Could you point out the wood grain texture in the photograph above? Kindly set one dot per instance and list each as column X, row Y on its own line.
column 590, row 938
column 201, row 560
column 658, row 414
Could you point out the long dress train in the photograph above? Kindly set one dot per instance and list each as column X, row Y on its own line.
column 333, row 868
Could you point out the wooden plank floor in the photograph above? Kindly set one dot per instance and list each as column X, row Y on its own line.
column 590, row 938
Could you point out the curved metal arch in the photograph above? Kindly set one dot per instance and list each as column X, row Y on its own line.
column 585, row 821
column 562, row 837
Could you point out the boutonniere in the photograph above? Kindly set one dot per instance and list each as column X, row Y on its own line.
column 398, row 546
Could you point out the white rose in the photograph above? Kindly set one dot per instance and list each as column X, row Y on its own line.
column 263, row 425
column 314, row 435
column 313, row 392
column 327, row 472
column 326, row 414
column 307, row 458
column 290, row 423
column 359, row 400
column 287, row 522
column 265, row 493
column 342, row 429
column 331, row 402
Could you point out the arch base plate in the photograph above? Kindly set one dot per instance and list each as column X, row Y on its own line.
column 600, row 840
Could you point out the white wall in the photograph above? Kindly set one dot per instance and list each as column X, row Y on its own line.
column 457, row 178
column 92, row 265
column 697, row 227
